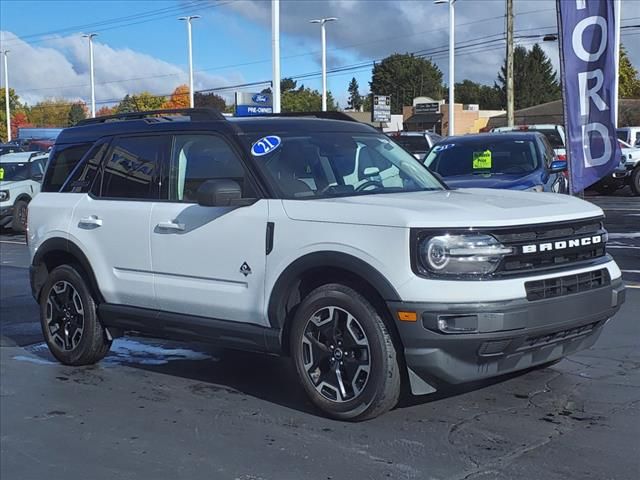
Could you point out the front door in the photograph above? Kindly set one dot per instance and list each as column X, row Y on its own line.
column 208, row 261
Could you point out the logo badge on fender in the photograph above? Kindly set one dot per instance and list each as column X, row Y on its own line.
column 562, row 244
column 245, row 269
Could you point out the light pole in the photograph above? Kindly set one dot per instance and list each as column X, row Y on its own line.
column 188, row 20
column 6, row 95
column 322, row 22
column 510, row 87
column 452, row 52
column 90, row 36
column 275, row 54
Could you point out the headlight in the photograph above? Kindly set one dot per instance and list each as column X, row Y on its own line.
column 467, row 254
column 4, row 195
column 536, row 188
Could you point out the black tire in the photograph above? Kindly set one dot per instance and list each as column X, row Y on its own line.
column 69, row 320
column 634, row 181
column 352, row 327
column 19, row 222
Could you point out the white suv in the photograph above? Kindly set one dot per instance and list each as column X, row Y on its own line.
column 261, row 234
column 20, row 177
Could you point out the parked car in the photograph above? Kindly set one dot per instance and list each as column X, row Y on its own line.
column 9, row 148
column 262, row 234
column 555, row 134
column 20, row 177
column 627, row 173
column 417, row 143
column 514, row 161
column 630, row 135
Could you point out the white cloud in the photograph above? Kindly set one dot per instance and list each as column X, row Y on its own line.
column 59, row 68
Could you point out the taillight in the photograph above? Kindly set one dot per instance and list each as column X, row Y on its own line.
column 562, row 156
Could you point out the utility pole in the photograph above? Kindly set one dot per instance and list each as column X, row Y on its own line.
column 6, row 95
column 90, row 36
column 190, row 46
column 510, row 103
column 275, row 54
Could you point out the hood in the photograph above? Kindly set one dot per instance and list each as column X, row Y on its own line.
column 473, row 207
column 5, row 184
column 510, row 182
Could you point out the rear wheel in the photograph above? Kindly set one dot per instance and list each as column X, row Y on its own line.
column 635, row 181
column 69, row 319
column 344, row 354
column 20, row 209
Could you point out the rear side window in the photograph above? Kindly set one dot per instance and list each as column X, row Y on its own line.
column 62, row 161
column 83, row 176
column 133, row 168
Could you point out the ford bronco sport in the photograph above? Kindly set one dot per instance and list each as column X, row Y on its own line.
column 315, row 238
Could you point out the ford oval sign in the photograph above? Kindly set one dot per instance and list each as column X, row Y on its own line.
column 265, row 145
column 260, row 98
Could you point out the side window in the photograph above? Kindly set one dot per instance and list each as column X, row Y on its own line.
column 133, row 167
column 37, row 166
column 198, row 158
column 83, row 176
column 62, row 161
column 547, row 151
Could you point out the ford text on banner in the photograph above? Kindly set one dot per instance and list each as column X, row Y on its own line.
column 588, row 53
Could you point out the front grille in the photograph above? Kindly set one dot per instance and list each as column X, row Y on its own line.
column 541, row 236
column 554, row 337
column 566, row 285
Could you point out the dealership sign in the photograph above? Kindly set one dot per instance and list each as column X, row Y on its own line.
column 251, row 104
column 431, row 107
column 589, row 52
column 381, row 109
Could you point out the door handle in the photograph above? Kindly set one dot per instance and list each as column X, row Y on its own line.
column 176, row 227
column 91, row 221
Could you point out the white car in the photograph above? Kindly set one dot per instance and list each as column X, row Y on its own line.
column 555, row 134
column 20, row 177
column 630, row 135
column 627, row 173
column 317, row 239
column 417, row 143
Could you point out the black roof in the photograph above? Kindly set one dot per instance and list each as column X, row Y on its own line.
column 491, row 136
column 199, row 120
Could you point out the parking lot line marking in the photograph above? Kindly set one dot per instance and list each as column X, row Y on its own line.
column 631, row 286
column 630, row 271
column 15, row 243
column 622, row 209
column 623, row 246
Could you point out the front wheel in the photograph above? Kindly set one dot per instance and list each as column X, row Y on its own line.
column 19, row 224
column 344, row 354
column 69, row 319
column 635, row 181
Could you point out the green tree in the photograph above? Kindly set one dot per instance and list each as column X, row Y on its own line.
column 209, row 100
column 471, row 92
column 534, row 80
column 14, row 106
column 77, row 112
column 629, row 82
column 140, row 102
column 355, row 99
column 404, row 77
column 302, row 99
column 51, row 112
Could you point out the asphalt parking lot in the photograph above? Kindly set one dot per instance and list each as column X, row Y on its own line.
column 169, row 411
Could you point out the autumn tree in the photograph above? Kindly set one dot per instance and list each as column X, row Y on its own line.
column 51, row 112
column 178, row 99
column 139, row 103
column 405, row 77
column 14, row 106
column 105, row 111
column 19, row 120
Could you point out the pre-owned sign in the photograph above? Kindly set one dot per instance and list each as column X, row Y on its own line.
column 252, row 104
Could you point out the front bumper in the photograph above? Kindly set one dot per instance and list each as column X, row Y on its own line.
column 511, row 335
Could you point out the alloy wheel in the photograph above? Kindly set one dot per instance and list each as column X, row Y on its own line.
column 65, row 315
column 336, row 354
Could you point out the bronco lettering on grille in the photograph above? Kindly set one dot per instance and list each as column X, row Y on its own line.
column 562, row 244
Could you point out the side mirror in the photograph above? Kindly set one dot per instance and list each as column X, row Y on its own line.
column 558, row 166
column 37, row 177
column 219, row 193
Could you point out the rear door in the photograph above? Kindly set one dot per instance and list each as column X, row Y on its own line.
column 112, row 223
column 208, row 261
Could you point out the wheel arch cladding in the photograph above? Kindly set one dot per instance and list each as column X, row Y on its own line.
column 319, row 268
column 59, row 251
column 23, row 197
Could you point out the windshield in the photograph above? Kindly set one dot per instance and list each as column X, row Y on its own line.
column 333, row 164
column 484, row 157
column 13, row 172
column 413, row 143
column 552, row 135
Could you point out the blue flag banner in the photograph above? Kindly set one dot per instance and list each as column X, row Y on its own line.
column 588, row 71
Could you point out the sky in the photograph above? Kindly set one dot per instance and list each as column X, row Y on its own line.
column 141, row 44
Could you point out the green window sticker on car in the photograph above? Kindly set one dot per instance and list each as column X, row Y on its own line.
column 482, row 160
column 1, row 173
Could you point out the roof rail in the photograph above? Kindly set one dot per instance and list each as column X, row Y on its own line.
column 196, row 114
column 333, row 115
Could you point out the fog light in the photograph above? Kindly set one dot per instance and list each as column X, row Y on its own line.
column 458, row 323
